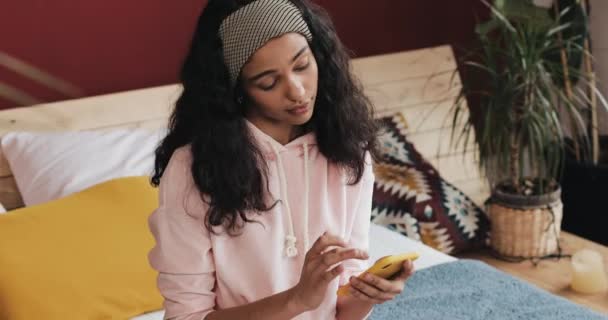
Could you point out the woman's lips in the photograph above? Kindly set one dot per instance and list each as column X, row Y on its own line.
column 299, row 110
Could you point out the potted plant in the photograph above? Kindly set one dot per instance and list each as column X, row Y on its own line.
column 525, row 114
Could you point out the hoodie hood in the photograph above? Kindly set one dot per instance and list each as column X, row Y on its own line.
column 268, row 144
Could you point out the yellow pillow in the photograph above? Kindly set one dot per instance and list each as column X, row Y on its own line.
column 80, row 257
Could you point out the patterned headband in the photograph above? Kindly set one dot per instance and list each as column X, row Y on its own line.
column 250, row 27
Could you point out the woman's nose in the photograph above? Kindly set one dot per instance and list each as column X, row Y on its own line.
column 295, row 90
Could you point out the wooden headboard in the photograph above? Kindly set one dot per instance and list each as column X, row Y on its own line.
column 417, row 83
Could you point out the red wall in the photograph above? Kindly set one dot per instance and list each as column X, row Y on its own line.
column 108, row 46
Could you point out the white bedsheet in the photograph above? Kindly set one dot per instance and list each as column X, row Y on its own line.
column 382, row 242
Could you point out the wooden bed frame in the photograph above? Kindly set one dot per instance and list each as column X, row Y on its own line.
column 417, row 83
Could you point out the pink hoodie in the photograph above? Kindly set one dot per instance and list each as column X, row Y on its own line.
column 200, row 271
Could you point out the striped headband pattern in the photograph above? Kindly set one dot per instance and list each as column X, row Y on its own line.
column 250, row 27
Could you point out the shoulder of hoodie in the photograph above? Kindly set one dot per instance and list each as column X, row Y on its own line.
column 179, row 164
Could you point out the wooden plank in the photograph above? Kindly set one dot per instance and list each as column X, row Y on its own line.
column 552, row 275
column 11, row 199
column 93, row 112
column 145, row 124
column 436, row 143
column 457, row 167
column 412, row 91
column 5, row 170
column 403, row 65
column 426, row 117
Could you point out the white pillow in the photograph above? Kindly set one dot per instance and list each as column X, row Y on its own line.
column 2, row 210
column 48, row 166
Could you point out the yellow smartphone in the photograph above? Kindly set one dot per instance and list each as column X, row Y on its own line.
column 385, row 267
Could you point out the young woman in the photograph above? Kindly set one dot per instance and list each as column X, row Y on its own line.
column 265, row 175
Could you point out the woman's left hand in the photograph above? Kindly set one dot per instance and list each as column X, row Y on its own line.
column 374, row 289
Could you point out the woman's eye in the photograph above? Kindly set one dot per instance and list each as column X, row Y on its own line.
column 302, row 67
column 268, row 87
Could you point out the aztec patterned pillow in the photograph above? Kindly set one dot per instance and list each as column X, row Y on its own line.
column 412, row 198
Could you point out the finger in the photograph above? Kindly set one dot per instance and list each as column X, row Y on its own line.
column 392, row 287
column 328, row 276
column 369, row 290
column 316, row 263
column 329, row 260
column 408, row 270
column 336, row 256
column 362, row 296
column 323, row 242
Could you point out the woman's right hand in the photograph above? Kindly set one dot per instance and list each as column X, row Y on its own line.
column 321, row 266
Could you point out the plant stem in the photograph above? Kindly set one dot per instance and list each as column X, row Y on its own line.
column 515, row 146
column 515, row 163
column 595, row 147
column 567, row 83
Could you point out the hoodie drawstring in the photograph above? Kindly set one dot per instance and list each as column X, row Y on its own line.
column 306, row 187
column 290, row 239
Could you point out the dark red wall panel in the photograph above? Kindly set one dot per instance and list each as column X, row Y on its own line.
column 107, row 46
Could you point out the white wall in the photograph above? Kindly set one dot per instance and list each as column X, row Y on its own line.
column 599, row 35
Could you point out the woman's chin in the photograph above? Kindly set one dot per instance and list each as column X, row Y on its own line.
column 299, row 119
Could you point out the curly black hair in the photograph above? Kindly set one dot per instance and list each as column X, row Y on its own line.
column 228, row 168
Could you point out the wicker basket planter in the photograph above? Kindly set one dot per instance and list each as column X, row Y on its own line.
column 525, row 226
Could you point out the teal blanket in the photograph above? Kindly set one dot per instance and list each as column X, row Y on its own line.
column 467, row 289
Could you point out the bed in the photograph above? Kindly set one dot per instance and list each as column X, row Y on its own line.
column 418, row 84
